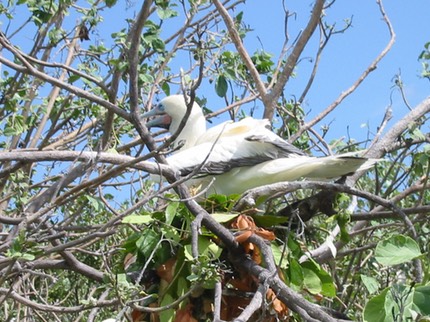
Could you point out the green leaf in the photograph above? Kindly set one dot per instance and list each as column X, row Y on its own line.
column 96, row 203
column 393, row 303
column 171, row 212
column 417, row 134
column 166, row 88
column 269, row 220
column 182, row 286
column 122, row 281
column 166, row 13
column 343, row 219
column 422, row 299
column 398, row 302
column 28, row 257
column 146, row 78
column 9, row 131
column 262, row 61
column 167, row 315
column 73, row 78
column 295, row 272
column 147, row 242
column 171, row 233
column 137, row 219
column 374, row 311
column 396, row 250
column 239, row 17
column 158, row 45
column 224, row 217
column 40, row 17
column 206, row 248
column 278, row 255
column 110, row 3
column 327, row 287
column 221, row 86
column 311, row 281
column 371, row 284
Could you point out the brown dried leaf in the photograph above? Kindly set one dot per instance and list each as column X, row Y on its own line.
column 129, row 260
column 243, row 222
column 166, row 271
column 268, row 235
column 185, row 314
column 243, row 236
column 279, row 307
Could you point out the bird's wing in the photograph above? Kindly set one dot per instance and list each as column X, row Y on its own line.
column 241, row 179
column 233, row 130
column 213, row 158
column 275, row 145
column 231, row 145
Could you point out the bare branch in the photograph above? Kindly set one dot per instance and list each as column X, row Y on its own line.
column 241, row 49
column 133, row 54
column 55, row 308
column 73, row 156
column 357, row 83
column 292, row 59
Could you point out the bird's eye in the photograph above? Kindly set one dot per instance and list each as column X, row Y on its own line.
column 160, row 107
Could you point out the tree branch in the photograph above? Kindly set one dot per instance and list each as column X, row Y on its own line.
column 73, row 156
column 55, row 308
column 357, row 83
column 237, row 41
column 292, row 59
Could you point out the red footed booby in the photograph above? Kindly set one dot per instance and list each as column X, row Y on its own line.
column 233, row 157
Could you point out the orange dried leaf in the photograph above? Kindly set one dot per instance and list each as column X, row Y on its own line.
column 243, row 236
column 129, row 260
column 243, row 222
column 256, row 255
column 244, row 283
column 249, row 247
column 185, row 314
column 166, row 271
column 278, row 306
column 268, row 235
column 136, row 316
column 232, row 306
column 207, row 306
column 318, row 297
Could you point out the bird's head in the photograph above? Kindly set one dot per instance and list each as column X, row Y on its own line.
column 169, row 114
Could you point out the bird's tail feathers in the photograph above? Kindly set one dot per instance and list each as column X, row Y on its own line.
column 340, row 165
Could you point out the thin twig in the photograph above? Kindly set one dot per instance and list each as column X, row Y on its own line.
column 357, row 83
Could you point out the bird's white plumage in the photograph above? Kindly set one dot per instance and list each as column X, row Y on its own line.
column 175, row 107
column 242, row 155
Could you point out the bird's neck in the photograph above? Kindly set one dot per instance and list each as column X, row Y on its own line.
column 193, row 129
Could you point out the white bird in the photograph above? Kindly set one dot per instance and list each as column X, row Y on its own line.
column 233, row 157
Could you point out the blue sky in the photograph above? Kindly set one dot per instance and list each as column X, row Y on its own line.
column 345, row 58
column 347, row 55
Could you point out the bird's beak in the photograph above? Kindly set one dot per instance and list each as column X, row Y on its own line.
column 162, row 120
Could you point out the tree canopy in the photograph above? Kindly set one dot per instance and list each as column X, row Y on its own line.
column 88, row 235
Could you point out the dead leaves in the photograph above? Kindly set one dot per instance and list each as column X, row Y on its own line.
column 246, row 227
column 238, row 286
column 276, row 305
column 185, row 314
column 166, row 271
